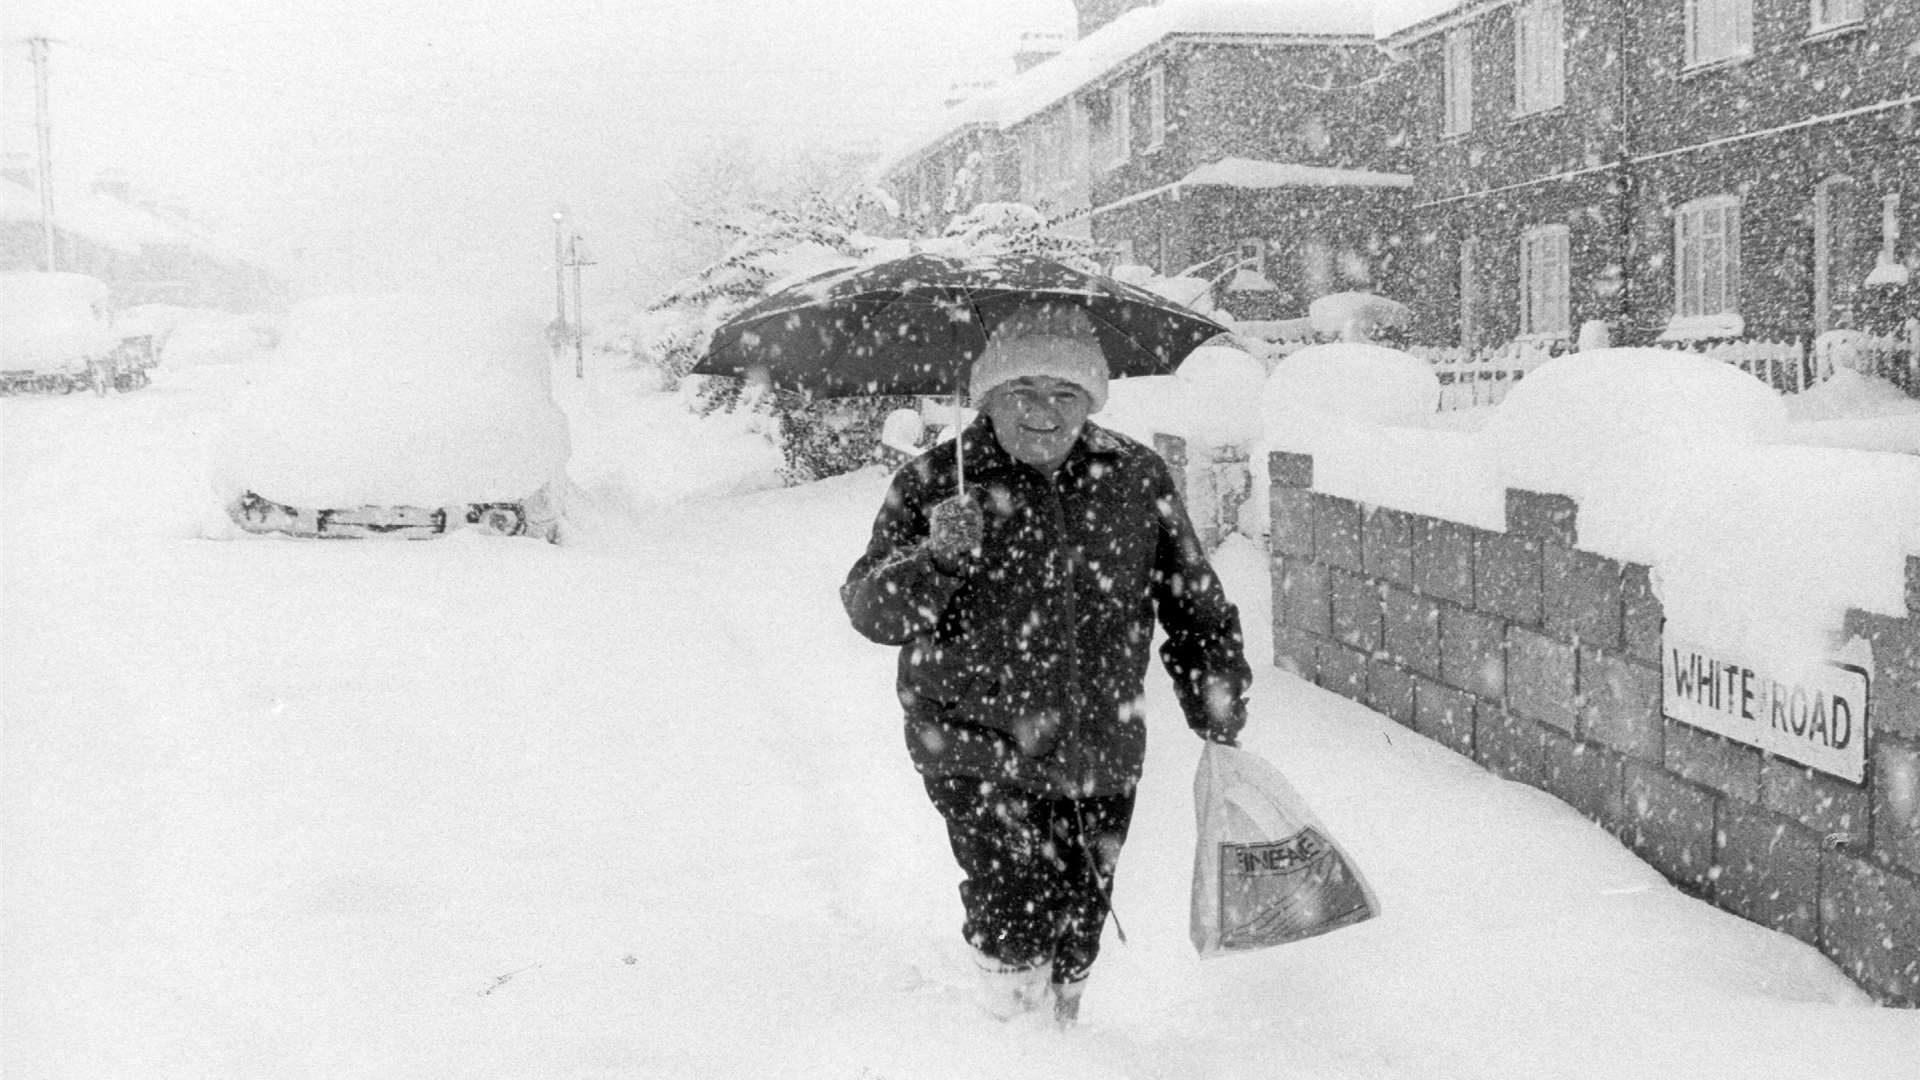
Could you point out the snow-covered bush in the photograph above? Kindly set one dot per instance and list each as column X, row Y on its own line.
column 1339, row 382
column 1576, row 415
column 1223, row 386
column 777, row 246
column 221, row 339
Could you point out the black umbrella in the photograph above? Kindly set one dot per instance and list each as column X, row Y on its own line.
column 914, row 325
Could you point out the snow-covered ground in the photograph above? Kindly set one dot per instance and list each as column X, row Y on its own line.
column 637, row 806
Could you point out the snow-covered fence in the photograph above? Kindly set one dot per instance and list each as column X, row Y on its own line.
column 1470, row 378
column 1795, row 364
column 1788, row 365
column 1543, row 662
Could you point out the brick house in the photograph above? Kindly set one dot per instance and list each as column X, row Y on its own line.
column 1232, row 138
column 1678, row 169
column 142, row 255
column 1514, row 169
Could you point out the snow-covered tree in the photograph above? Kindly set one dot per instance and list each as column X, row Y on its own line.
column 778, row 242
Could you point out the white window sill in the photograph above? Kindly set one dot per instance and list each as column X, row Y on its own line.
column 1704, row 327
column 1837, row 30
column 1543, row 110
column 1701, row 68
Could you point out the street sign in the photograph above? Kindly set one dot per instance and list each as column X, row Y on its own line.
column 1816, row 716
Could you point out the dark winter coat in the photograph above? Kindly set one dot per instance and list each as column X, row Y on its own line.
column 1027, row 667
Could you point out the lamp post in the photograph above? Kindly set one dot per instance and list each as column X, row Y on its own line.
column 577, row 257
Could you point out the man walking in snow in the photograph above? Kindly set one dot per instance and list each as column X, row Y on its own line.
column 1025, row 611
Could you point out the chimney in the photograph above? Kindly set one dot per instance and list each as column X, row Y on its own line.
column 1095, row 14
column 113, row 183
column 1037, row 46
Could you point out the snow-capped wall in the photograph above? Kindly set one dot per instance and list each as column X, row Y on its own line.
column 1554, row 665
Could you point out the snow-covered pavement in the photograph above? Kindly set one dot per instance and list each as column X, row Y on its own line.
column 637, row 806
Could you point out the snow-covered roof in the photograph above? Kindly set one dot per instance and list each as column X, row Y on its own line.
column 1252, row 173
column 105, row 220
column 1394, row 17
column 1088, row 59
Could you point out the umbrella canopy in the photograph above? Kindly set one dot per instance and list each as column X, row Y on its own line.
column 914, row 325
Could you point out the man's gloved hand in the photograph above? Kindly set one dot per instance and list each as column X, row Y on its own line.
column 954, row 528
column 1226, row 711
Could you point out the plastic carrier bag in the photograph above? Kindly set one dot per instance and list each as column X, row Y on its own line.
column 1265, row 872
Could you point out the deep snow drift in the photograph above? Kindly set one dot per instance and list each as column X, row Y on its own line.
column 637, row 806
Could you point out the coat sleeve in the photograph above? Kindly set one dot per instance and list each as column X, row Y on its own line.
column 895, row 592
column 1204, row 651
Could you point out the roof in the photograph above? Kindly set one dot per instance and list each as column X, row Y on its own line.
column 1408, row 20
column 1087, row 60
column 100, row 218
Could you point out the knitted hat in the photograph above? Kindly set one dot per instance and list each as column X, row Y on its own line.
column 1049, row 339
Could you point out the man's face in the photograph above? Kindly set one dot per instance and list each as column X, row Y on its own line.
column 1037, row 418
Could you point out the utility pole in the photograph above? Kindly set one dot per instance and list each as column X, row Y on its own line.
column 559, row 273
column 44, row 134
column 577, row 257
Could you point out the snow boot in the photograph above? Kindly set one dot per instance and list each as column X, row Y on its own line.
column 1066, row 1002
column 1006, row 991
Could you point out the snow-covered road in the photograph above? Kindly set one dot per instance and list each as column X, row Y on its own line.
column 637, row 806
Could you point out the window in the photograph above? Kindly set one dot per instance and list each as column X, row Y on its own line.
column 1316, row 267
column 1545, row 258
column 1156, row 80
column 1706, row 258
column 1253, row 256
column 1456, row 91
column 1110, row 121
column 1718, row 30
column 1835, row 243
column 1048, row 154
column 1470, row 299
column 1828, row 14
column 1250, row 268
column 1539, row 41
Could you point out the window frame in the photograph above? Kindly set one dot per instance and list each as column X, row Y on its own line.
column 1472, row 294
column 1835, row 246
column 1546, row 284
column 1539, row 57
column 1120, row 121
column 1155, row 78
column 1821, row 20
column 1456, row 81
column 1694, row 273
column 1731, row 24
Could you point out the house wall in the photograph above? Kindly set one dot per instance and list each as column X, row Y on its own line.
column 1641, row 134
column 1541, row 661
column 1677, row 116
column 1361, row 230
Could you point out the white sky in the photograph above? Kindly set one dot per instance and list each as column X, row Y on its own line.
column 402, row 140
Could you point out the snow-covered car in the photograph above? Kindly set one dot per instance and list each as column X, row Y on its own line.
column 57, row 336
column 396, row 415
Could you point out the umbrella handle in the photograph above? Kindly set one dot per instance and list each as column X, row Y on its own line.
column 959, row 458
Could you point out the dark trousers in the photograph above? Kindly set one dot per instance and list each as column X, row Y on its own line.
column 1039, row 871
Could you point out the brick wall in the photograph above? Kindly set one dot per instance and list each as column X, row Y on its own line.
column 1541, row 661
